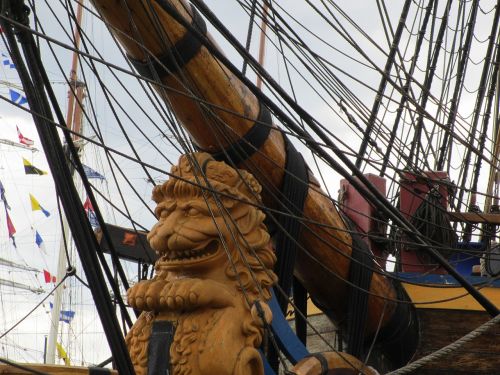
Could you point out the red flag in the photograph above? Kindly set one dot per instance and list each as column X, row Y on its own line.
column 48, row 277
column 10, row 226
column 88, row 205
column 23, row 139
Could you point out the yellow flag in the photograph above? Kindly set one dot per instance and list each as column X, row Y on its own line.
column 62, row 354
column 35, row 206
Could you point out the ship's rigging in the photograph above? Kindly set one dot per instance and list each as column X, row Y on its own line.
column 423, row 99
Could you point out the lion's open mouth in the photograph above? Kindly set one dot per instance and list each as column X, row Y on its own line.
column 194, row 254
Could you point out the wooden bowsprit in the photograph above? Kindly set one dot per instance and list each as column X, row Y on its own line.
column 219, row 111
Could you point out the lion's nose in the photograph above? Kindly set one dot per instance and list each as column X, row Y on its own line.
column 174, row 219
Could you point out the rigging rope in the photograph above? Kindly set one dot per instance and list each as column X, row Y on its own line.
column 406, row 89
column 488, row 65
column 249, row 34
column 141, row 163
column 361, row 182
column 383, row 82
column 462, row 67
column 35, row 81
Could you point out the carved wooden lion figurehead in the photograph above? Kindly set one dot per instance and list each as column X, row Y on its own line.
column 207, row 211
column 215, row 263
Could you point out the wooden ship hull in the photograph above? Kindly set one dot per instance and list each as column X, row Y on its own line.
column 442, row 327
column 443, row 324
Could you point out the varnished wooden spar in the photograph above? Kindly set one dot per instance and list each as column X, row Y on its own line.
column 215, row 84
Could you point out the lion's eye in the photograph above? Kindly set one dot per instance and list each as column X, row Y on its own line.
column 192, row 211
column 164, row 209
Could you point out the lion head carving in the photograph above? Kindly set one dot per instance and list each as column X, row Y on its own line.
column 215, row 262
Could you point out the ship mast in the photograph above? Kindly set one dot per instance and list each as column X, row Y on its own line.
column 74, row 122
column 493, row 175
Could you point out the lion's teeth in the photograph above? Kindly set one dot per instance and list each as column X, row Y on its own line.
column 188, row 254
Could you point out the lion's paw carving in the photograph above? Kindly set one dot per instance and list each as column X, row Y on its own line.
column 189, row 294
column 143, row 295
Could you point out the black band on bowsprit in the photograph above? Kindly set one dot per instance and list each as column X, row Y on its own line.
column 322, row 360
column 294, row 191
column 360, row 277
column 252, row 141
column 179, row 55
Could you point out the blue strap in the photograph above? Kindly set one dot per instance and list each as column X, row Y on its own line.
column 286, row 339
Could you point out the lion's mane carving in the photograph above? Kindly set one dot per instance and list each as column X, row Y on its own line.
column 214, row 269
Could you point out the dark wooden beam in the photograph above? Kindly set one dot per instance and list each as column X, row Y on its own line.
column 129, row 244
column 474, row 217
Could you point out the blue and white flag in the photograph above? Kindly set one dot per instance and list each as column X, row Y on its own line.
column 7, row 61
column 39, row 242
column 17, row 97
column 90, row 173
column 64, row 315
column 94, row 223
column 2, row 196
